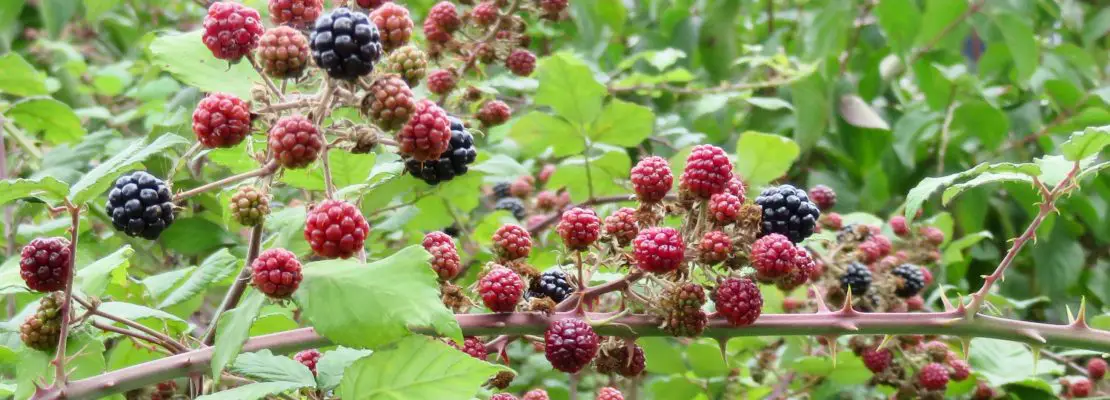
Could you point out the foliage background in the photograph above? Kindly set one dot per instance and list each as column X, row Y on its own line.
column 866, row 97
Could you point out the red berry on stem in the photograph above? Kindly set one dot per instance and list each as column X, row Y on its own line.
column 445, row 15
column 724, row 207
column 503, row 396
column 221, row 120
column 877, row 360
column 394, row 25
column 335, row 229
column 473, row 347
column 445, row 258
column 1080, row 387
column 899, row 226
column 536, row 394
column 736, row 188
column 708, row 171
column 442, row 81
column 231, row 30
column 570, row 344
column 652, row 179
column 823, row 196
column 283, row 52
column 621, row 225
column 933, row 234
column 579, row 228
column 44, row 264
column 715, row 247
column 608, row 393
column 427, row 134
column 276, row 272
column 298, row 14
column 960, row 369
column 933, row 376
column 371, row 4
column 512, row 242
column 485, row 13
column 308, row 358
column 501, row 289
column 659, row 249
column 494, row 113
column 521, row 62
column 295, row 142
column 1096, row 368
column 773, row 256
column 739, row 300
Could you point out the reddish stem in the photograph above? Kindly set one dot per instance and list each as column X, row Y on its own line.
column 67, row 302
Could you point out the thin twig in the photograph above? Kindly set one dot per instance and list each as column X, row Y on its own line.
column 137, row 335
column 269, row 83
column 735, row 87
column 67, row 302
column 942, row 147
column 267, row 169
column 166, row 341
column 235, row 292
column 183, row 160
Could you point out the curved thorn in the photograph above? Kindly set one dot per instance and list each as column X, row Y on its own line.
column 1081, row 319
column 821, row 306
column 944, row 300
column 885, row 341
column 1032, row 334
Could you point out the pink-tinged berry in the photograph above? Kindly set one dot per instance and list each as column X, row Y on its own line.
column 435, row 34
column 708, row 171
column 804, row 269
column 715, row 246
column 472, row 346
column 790, row 304
column 427, row 134
column 659, row 249
column 445, row 15
column 1080, row 387
column 371, row 4
column 570, row 344
column 608, row 393
column 983, row 391
column 501, row 289
column 295, row 142
column 823, row 196
column 523, row 186
column 736, row 188
column 283, row 52
column 877, row 360
column 546, row 201
column 445, row 257
column 933, row 234
column 485, row 13
column 652, row 179
column 621, row 225
column 899, row 226
column 389, row 102
column 494, row 113
column 1096, row 368
column 960, row 369
column 739, row 300
column 832, row 221
column 724, row 207
column 276, row 272
column 915, row 303
column 536, row 394
column 335, row 229
column 512, row 242
column 773, row 256
column 394, row 25
column 442, row 81
column 933, row 376
column 221, row 120
column 521, row 62
column 231, row 30
column 579, row 228
column 546, row 172
column 874, row 248
column 44, row 264
column 308, row 358
column 927, row 276
column 299, row 14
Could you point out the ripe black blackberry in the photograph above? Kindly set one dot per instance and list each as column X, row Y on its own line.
column 346, row 44
column 552, row 284
column 140, row 205
column 911, row 281
column 514, row 205
column 857, row 277
column 502, row 190
column 451, row 163
column 788, row 211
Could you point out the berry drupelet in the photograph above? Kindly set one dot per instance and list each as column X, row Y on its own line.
column 140, row 205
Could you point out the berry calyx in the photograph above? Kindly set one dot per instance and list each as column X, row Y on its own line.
column 579, row 228
column 494, row 113
column 715, row 246
column 394, row 25
column 621, row 225
column 335, row 229
column 249, row 206
column 276, row 272
column 140, row 205
column 298, row 14
column 283, row 52
column 295, row 142
column 501, row 289
column 427, row 134
column 787, row 211
column 445, row 257
column 521, row 62
column 570, row 344
column 512, row 242
column 44, row 264
column 345, row 44
column 221, row 120
column 823, row 196
column 739, row 300
column 708, row 171
column 933, row 376
column 652, row 179
column 231, row 30
column 659, row 249
column 308, row 358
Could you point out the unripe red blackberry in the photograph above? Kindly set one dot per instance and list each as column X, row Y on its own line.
column 899, row 226
column 394, row 25
column 621, row 225
column 547, row 200
column 41, row 330
column 536, row 394
column 283, row 52
column 164, row 390
column 523, row 186
column 546, row 172
column 1079, row 388
column 335, row 229
column 552, row 8
column 494, row 113
column 608, row 393
column 708, row 171
column 299, row 14
column 804, row 269
column 832, row 221
column 484, row 14
column 685, row 297
column 295, row 142
column 652, row 179
column 983, row 391
column 877, row 360
column 410, row 62
column 915, row 303
column 503, row 396
column 44, row 264
column 739, row 301
column 435, row 35
column 933, row 376
column 659, row 250
column 442, row 81
column 231, row 30
column 276, row 273
column 874, row 248
column 933, row 234
column 249, row 206
column 427, row 134
column 388, row 102
column 221, row 120
column 618, row 360
column 790, row 304
column 715, row 247
column 773, row 256
column 736, row 188
column 570, row 344
column 445, row 15
column 445, row 258
column 473, row 347
column 724, row 207
column 521, row 62
column 685, row 324
column 579, row 228
column 308, row 358
column 961, row 370
column 501, row 289
column 823, row 196
column 1096, row 368
column 512, row 242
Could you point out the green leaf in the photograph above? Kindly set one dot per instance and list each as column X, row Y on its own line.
column 1094, row 169
column 860, row 114
column 953, row 251
column 95, row 278
column 97, row 181
column 139, row 313
column 253, row 391
column 20, row 78
column 445, row 373
column 195, row 235
column 535, row 132
column 1002, row 362
column 605, row 170
column 664, row 355
column 900, row 20
column 812, row 108
column 47, row 189
column 983, row 121
column 215, row 268
column 55, row 14
column 330, row 367
column 930, row 185
column 980, row 180
column 265, row 366
column 568, row 86
column 394, row 295
column 1021, row 42
column 939, row 14
column 346, row 169
column 94, row 9
column 1087, row 143
column 84, row 358
column 705, row 359
column 185, row 56
column 827, row 33
column 56, row 120
column 232, row 331
column 1055, row 168
column 622, row 124
column 763, row 157
column 501, row 166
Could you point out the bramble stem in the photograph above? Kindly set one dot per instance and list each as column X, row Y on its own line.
column 67, row 301
column 162, row 339
column 267, row 169
column 235, row 292
column 130, row 333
